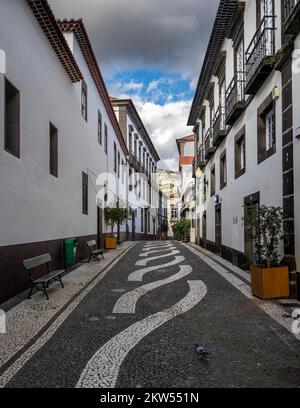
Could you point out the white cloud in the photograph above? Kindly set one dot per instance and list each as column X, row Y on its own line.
column 165, row 124
column 133, row 86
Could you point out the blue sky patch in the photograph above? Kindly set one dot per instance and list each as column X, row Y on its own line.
column 154, row 86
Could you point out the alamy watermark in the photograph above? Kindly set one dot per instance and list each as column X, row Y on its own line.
column 2, row 322
column 2, row 62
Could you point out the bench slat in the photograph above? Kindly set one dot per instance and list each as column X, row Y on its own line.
column 49, row 276
column 37, row 261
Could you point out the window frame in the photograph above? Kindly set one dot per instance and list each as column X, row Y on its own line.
column 263, row 112
column 84, row 100
column 240, row 140
column 12, row 147
column 85, row 193
column 53, row 150
column 99, row 128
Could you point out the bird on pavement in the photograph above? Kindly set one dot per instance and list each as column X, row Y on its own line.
column 201, row 350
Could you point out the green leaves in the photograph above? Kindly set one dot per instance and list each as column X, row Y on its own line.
column 266, row 225
column 182, row 229
column 116, row 214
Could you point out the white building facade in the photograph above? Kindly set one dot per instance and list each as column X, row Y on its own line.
column 143, row 189
column 62, row 148
column 245, row 117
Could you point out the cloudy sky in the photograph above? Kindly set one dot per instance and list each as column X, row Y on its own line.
column 150, row 51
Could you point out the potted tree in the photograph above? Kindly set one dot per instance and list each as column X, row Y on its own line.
column 115, row 214
column 269, row 280
column 182, row 229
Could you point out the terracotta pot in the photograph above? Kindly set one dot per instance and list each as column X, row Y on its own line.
column 110, row 243
column 270, row 283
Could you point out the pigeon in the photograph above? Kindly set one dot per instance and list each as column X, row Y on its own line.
column 201, row 350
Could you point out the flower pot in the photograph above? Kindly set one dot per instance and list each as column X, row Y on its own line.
column 270, row 283
column 110, row 243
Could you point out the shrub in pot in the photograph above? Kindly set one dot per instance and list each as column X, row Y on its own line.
column 182, row 230
column 115, row 214
column 269, row 280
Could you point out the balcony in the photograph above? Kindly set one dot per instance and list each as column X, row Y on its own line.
column 291, row 16
column 219, row 126
column 209, row 145
column 235, row 98
column 199, row 160
column 260, row 55
column 134, row 162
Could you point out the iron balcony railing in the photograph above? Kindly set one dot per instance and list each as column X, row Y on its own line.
column 219, row 120
column 235, row 92
column 261, row 46
column 200, row 156
column 288, row 8
column 209, row 145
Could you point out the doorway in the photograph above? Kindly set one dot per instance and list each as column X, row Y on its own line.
column 204, row 229
column 218, row 229
column 133, row 225
column 100, row 227
column 249, row 247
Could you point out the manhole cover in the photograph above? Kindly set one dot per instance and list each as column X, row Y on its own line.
column 93, row 319
column 289, row 375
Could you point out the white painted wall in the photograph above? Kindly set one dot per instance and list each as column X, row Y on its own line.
column 34, row 206
column 265, row 177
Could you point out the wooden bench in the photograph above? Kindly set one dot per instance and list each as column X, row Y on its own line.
column 43, row 282
column 93, row 251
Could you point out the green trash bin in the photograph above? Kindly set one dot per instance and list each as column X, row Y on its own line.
column 70, row 245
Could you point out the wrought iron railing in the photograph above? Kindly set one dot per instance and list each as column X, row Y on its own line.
column 235, row 92
column 219, row 120
column 262, row 45
column 209, row 140
column 287, row 8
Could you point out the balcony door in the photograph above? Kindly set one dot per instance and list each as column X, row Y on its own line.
column 266, row 22
column 240, row 70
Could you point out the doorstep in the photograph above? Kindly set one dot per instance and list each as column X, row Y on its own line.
column 25, row 318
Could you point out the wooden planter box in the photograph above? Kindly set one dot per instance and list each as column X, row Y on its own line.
column 270, row 283
column 110, row 243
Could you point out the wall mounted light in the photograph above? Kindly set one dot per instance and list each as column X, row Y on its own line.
column 275, row 93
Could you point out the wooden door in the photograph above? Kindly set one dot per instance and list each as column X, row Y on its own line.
column 218, row 229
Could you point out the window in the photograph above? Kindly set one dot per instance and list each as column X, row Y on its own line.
column 174, row 213
column 99, row 128
column 142, row 219
column 266, row 130
column 12, row 119
column 130, row 179
column 122, row 170
column 135, row 146
column 85, row 193
column 84, row 99
column 130, row 140
column 269, row 122
column 223, row 170
column 115, row 157
column 212, row 181
column 105, row 138
column 53, row 150
column 240, row 153
column 119, row 164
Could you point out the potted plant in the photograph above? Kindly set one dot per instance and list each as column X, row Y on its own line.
column 269, row 280
column 182, row 229
column 115, row 214
column 164, row 231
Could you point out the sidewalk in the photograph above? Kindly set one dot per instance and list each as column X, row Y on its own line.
column 280, row 310
column 31, row 317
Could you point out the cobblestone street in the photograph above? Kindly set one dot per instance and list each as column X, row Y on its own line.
column 138, row 327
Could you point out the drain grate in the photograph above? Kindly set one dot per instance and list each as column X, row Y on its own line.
column 289, row 375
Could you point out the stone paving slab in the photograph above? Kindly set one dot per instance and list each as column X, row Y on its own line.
column 25, row 320
column 246, row 347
